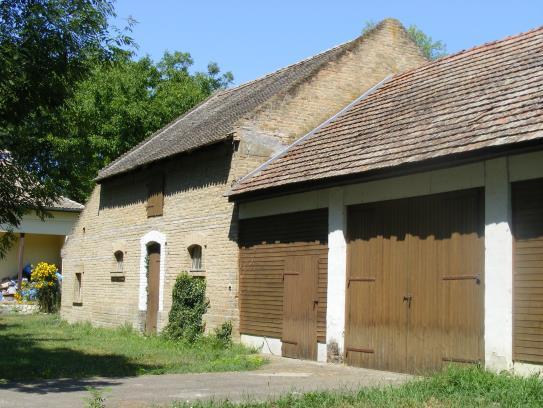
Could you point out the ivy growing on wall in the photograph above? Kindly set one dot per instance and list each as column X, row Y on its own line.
column 189, row 304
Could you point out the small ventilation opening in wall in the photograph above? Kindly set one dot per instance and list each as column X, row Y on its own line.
column 77, row 300
column 195, row 252
column 119, row 261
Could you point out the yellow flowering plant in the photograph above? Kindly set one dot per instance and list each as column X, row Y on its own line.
column 44, row 277
column 44, row 274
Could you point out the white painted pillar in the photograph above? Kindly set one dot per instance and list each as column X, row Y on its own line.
column 337, row 271
column 498, row 267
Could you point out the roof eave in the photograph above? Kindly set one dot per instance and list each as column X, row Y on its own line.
column 76, row 210
column 388, row 172
column 98, row 179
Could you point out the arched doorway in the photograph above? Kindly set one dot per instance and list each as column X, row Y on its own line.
column 153, row 287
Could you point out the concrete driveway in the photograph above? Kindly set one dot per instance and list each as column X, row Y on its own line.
column 281, row 376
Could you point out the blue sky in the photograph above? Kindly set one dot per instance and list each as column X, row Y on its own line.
column 255, row 37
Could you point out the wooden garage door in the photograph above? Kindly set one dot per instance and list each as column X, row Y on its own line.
column 415, row 282
column 300, row 281
column 527, row 200
column 283, row 279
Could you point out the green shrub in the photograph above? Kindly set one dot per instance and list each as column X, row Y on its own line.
column 223, row 333
column 189, row 304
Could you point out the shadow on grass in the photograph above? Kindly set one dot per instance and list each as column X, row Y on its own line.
column 27, row 366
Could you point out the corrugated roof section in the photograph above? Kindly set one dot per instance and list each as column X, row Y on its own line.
column 487, row 96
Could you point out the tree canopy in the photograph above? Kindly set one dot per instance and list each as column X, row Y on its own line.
column 430, row 48
column 117, row 106
column 46, row 47
column 73, row 98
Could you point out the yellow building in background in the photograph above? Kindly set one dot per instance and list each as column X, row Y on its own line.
column 39, row 240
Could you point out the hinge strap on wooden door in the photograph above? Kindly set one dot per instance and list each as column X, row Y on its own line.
column 368, row 279
column 358, row 350
column 477, row 278
column 460, row 360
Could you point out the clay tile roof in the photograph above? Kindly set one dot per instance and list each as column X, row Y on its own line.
column 215, row 118
column 65, row 204
column 62, row 204
column 487, row 96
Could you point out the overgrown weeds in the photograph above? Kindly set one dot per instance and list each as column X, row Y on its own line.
column 453, row 387
column 96, row 398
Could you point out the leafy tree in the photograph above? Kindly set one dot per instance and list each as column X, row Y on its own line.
column 71, row 97
column 430, row 49
column 20, row 192
column 119, row 105
column 46, row 46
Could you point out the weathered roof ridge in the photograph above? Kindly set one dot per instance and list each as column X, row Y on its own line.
column 481, row 98
column 214, row 118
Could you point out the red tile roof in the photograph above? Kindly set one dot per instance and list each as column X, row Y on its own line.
column 487, row 96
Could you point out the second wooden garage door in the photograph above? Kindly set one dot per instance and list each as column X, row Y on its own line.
column 415, row 282
column 528, row 271
column 283, row 279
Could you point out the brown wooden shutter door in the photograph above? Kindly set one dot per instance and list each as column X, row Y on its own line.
column 377, row 281
column 445, row 280
column 153, row 284
column 155, row 198
column 415, row 282
column 527, row 203
column 269, row 246
column 300, row 304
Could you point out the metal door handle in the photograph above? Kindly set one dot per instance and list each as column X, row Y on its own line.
column 408, row 298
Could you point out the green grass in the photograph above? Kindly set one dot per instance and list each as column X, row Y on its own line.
column 44, row 346
column 454, row 387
